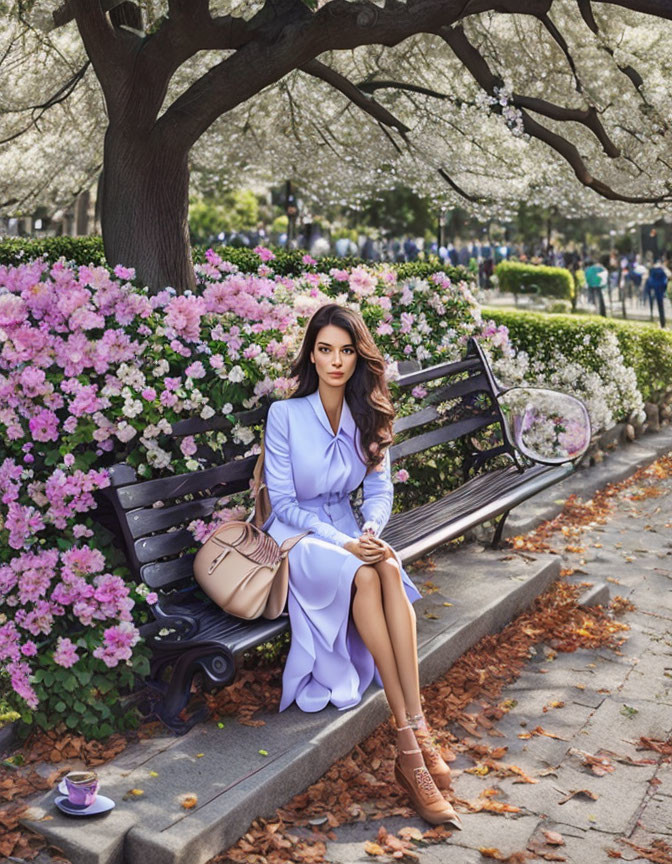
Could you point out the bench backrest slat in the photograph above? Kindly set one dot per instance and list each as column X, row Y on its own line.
column 441, row 370
column 473, row 384
column 163, row 574
column 230, row 475
column 196, row 425
column 441, row 436
column 146, row 520
column 160, row 545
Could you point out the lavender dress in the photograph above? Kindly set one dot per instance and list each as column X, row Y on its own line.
column 310, row 473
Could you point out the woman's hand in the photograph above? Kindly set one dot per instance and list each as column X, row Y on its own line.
column 368, row 549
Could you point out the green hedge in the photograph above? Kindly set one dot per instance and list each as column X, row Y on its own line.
column 89, row 250
column 646, row 348
column 81, row 250
column 517, row 278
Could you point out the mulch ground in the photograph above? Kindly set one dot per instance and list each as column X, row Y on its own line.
column 361, row 786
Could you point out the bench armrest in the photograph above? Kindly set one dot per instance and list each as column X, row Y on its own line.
column 545, row 425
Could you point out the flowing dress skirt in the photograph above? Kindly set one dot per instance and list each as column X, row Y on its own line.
column 327, row 661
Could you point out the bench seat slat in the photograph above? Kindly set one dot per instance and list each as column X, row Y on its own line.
column 217, row 627
column 484, row 497
column 146, row 493
column 449, row 432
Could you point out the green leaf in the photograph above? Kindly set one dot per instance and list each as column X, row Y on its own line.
column 71, row 721
column 60, row 707
column 70, row 683
column 79, row 707
column 84, row 676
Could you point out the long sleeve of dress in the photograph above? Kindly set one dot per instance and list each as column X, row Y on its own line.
column 280, row 484
column 378, row 496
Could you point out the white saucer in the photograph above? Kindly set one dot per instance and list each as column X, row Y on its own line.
column 100, row 805
column 62, row 788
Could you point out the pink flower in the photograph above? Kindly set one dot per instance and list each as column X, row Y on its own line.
column 125, row 273
column 419, row 392
column 188, row 445
column 264, row 253
column 195, row 370
column 152, row 598
column 13, row 311
column 183, row 315
column 149, row 393
column 44, row 426
column 68, row 460
column 401, row 476
column 339, row 275
column 65, row 654
column 117, row 644
column 29, row 648
column 308, row 260
column 362, row 282
column 384, row 329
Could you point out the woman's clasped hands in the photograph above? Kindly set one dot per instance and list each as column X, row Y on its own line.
column 368, row 548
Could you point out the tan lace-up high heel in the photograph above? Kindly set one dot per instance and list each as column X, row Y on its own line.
column 430, row 752
column 426, row 799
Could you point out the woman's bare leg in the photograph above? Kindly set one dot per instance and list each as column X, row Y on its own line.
column 369, row 618
column 401, row 627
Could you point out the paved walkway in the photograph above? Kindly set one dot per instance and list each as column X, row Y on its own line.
column 604, row 703
column 635, row 310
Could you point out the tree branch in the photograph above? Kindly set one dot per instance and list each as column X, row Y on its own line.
column 477, row 65
column 66, row 13
column 354, row 94
column 587, row 14
column 564, row 47
column 453, row 185
column 101, row 42
column 588, row 118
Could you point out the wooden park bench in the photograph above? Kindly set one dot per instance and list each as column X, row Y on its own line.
column 191, row 635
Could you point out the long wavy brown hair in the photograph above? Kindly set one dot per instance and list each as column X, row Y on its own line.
column 366, row 391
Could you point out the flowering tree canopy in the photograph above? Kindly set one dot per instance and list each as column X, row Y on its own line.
column 488, row 102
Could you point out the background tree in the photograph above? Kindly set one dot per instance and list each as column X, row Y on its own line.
column 458, row 99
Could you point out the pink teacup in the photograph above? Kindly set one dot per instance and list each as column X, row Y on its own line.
column 82, row 787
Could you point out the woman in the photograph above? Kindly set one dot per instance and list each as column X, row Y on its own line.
column 349, row 597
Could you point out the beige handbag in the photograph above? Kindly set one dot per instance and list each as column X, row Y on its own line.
column 242, row 569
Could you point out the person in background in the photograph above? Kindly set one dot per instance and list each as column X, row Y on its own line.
column 596, row 280
column 656, row 287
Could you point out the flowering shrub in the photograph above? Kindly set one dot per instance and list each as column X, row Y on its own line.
column 612, row 365
column 94, row 370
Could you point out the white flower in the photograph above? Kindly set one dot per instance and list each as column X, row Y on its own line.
column 161, row 369
column 132, row 407
column 243, row 435
column 227, row 408
column 236, row 375
column 207, row 412
column 158, row 458
column 125, row 431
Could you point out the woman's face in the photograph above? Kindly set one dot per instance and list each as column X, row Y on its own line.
column 334, row 356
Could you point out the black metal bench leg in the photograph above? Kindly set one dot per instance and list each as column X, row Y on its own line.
column 497, row 536
column 176, row 695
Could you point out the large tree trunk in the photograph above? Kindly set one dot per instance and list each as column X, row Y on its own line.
column 145, row 208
